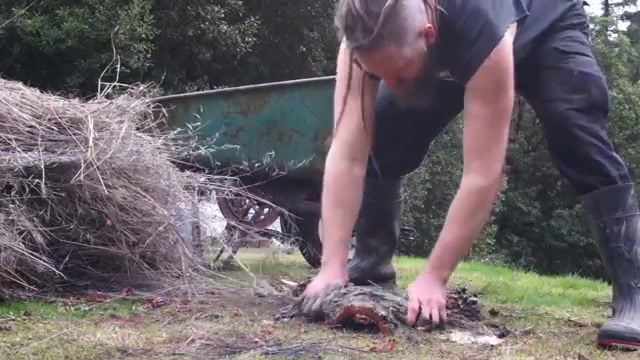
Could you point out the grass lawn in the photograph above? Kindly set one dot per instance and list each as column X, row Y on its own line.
column 549, row 318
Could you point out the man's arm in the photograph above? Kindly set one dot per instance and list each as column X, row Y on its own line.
column 346, row 162
column 488, row 107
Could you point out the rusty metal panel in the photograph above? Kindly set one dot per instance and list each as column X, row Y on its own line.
column 285, row 126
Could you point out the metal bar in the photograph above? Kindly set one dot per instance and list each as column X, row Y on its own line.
column 242, row 88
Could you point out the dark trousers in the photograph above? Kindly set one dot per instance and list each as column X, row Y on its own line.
column 563, row 84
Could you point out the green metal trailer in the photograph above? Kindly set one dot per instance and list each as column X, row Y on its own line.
column 274, row 138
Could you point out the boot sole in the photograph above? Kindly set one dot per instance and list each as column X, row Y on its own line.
column 620, row 344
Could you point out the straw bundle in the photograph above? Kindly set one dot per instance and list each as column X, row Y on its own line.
column 87, row 190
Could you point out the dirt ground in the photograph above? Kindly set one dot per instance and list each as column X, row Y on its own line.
column 232, row 323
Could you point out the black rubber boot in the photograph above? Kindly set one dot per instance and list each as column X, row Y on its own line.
column 615, row 221
column 377, row 233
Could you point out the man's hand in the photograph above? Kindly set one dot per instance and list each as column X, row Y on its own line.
column 326, row 280
column 428, row 299
column 489, row 101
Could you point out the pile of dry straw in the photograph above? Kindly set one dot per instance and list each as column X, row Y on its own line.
column 88, row 191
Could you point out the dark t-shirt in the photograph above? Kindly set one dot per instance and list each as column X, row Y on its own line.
column 468, row 30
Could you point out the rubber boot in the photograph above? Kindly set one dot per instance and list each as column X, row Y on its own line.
column 377, row 233
column 615, row 222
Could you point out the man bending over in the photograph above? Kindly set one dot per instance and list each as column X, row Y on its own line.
column 405, row 69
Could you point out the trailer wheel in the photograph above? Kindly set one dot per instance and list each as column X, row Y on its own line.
column 303, row 228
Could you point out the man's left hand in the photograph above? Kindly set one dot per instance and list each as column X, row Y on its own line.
column 427, row 298
column 330, row 277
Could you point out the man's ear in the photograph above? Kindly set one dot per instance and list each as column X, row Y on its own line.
column 428, row 33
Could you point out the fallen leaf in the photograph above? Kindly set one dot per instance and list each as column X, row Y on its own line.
column 392, row 345
column 179, row 302
column 267, row 331
column 577, row 322
column 153, row 303
column 384, row 327
column 383, row 346
column 97, row 298
column 126, row 291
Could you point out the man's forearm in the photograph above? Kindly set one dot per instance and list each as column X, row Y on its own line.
column 346, row 162
column 341, row 200
column 466, row 217
column 488, row 104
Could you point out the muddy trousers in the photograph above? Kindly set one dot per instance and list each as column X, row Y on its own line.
column 566, row 89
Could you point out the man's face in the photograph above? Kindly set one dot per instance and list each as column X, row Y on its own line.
column 410, row 72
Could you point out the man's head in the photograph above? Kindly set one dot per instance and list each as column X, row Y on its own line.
column 393, row 39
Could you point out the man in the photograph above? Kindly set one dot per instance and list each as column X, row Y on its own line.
column 490, row 49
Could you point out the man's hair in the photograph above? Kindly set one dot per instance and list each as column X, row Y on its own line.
column 370, row 25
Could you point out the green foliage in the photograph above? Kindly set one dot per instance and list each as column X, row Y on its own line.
column 65, row 45
column 297, row 40
column 430, row 189
column 200, row 43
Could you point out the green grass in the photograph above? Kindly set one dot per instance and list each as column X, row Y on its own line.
column 536, row 308
column 57, row 310
column 504, row 286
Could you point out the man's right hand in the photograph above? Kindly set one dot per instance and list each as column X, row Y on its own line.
column 329, row 278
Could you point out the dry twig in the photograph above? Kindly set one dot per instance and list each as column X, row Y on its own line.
column 289, row 347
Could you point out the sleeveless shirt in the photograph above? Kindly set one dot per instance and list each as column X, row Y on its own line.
column 469, row 30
